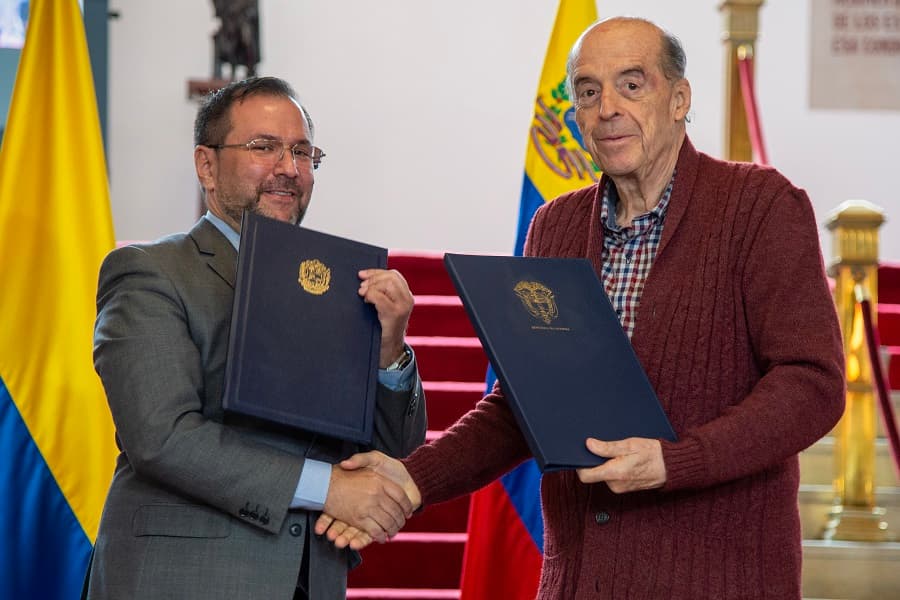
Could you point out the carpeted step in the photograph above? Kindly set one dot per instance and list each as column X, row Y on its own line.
column 439, row 315
column 446, row 517
column 889, row 282
column 424, row 272
column 889, row 318
column 433, row 434
column 447, row 401
column 893, row 364
column 889, row 324
column 401, row 594
column 449, row 358
column 412, row 560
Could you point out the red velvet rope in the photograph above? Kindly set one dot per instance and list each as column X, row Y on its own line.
column 745, row 69
column 884, row 398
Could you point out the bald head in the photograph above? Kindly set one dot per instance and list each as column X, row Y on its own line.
column 672, row 59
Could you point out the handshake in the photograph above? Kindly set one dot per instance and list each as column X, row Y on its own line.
column 369, row 499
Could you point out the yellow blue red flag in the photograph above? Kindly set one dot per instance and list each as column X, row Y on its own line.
column 505, row 541
column 57, row 446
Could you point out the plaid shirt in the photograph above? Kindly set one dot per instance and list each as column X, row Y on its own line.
column 628, row 252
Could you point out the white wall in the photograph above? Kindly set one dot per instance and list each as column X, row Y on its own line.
column 423, row 109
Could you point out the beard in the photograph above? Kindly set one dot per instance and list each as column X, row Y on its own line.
column 236, row 201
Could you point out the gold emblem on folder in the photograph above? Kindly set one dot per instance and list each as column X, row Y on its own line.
column 538, row 300
column 315, row 277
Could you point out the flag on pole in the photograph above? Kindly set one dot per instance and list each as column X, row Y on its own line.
column 505, row 542
column 57, row 449
column 555, row 159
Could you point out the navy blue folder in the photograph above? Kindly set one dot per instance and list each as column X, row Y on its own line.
column 303, row 348
column 564, row 362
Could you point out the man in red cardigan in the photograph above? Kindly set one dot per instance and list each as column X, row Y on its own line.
column 716, row 272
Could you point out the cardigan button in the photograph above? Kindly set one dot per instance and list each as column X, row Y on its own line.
column 602, row 517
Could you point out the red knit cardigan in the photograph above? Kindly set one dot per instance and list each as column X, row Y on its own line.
column 738, row 334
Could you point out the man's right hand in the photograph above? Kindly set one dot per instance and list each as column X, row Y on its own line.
column 387, row 467
column 367, row 501
column 344, row 533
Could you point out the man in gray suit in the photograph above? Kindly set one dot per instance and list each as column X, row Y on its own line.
column 209, row 505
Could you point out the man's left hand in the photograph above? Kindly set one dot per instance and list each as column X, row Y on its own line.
column 341, row 534
column 389, row 293
column 634, row 464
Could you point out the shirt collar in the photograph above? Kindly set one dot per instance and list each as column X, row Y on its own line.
column 230, row 234
column 611, row 199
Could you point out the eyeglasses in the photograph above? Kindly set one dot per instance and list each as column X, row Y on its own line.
column 270, row 152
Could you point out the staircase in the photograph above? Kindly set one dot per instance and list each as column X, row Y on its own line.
column 424, row 561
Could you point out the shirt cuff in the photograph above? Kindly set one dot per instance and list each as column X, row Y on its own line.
column 312, row 489
column 400, row 380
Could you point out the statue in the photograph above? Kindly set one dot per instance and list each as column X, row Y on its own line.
column 237, row 40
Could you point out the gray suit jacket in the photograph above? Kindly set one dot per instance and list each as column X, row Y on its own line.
column 198, row 506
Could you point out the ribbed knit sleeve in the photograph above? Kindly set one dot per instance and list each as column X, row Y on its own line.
column 480, row 447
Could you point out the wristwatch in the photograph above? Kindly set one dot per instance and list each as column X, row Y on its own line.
column 401, row 362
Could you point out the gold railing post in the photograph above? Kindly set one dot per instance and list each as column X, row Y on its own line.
column 854, row 267
column 741, row 26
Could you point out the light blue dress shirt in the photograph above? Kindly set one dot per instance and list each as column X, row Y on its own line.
column 315, row 476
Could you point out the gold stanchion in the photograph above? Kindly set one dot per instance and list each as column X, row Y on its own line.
column 854, row 516
column 741, row 26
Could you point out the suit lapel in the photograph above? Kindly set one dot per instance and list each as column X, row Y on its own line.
column 220, row 254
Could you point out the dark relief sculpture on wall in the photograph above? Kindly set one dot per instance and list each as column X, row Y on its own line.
column 236, row 43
